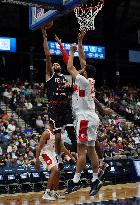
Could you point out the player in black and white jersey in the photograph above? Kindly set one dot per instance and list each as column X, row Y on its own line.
column 59, row 109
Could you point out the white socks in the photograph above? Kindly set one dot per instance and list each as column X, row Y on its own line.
column 95, row 176
column 76, row 178
column 101, row 162
column 59, row 158
column 47, row 190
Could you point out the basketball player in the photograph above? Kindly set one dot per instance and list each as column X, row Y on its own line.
column 102, row 110
column 87, row 124
column 45, row 152
column 59, row 109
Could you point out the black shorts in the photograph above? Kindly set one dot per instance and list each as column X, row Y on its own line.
column 60, row 115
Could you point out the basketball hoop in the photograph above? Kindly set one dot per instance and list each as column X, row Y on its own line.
column 86, row 15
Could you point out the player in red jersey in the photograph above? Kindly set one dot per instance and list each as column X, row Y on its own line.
column 75, row 104
column 45, row 152
column 103, row 111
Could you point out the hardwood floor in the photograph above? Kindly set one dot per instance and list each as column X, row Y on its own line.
column 110, row 194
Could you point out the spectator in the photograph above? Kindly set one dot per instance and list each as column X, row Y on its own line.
column 31, row 157
column 20, row 160
column 2, row 161
column 14, row 101
column 13, row 161
column 6, row 137
column 13, row 153
column 104, row 145
column 12, row 118
column 5, row 116
column 38, row 101
column 119, row 145
column 28, row 105
column 15, row 89
column 39, row 124
column 2, row 126
column 9, row 148
column 117, row 120
column 33, row 141
column 7, row 95
column 26, row 83
column 136, row 139
column 114, row 149
column 44, row 99
column 11, row 127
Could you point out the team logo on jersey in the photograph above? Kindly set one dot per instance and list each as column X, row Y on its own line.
column 83, row 138
column 48, row 161
column 82, row 93
column 75, row 88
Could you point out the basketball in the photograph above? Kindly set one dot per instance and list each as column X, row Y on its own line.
column 48, row 25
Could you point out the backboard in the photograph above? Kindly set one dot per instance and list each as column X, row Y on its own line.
column 40, row 15
column 37, row 3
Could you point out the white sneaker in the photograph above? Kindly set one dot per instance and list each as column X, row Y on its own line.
column 48, row 196
column 57, row 195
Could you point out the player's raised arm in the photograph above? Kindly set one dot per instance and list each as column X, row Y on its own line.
column 70, row 68
column 81, row 53
column 49, row 69
column 63, row 51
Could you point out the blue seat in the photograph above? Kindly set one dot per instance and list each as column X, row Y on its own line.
column 31, row 169
column 1, row 170
column 21, row 169
column 9, row 170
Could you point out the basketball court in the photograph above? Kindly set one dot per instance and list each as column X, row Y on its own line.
column 120, row 194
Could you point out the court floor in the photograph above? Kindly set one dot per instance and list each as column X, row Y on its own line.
column 120, row 194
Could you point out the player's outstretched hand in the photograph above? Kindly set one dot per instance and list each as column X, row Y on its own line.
column 59, row 41
column 73, row 47
column 81, row 36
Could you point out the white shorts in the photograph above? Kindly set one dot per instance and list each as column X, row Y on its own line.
column 48, row 160
column 86, row 128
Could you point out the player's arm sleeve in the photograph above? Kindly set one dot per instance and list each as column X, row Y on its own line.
column 64, row 54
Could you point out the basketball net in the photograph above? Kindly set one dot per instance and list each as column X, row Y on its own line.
column 86, row 16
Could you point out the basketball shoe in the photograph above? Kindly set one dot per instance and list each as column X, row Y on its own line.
column 95, row 187
column 48, row 196
column 73, row 187
column 56, row 195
